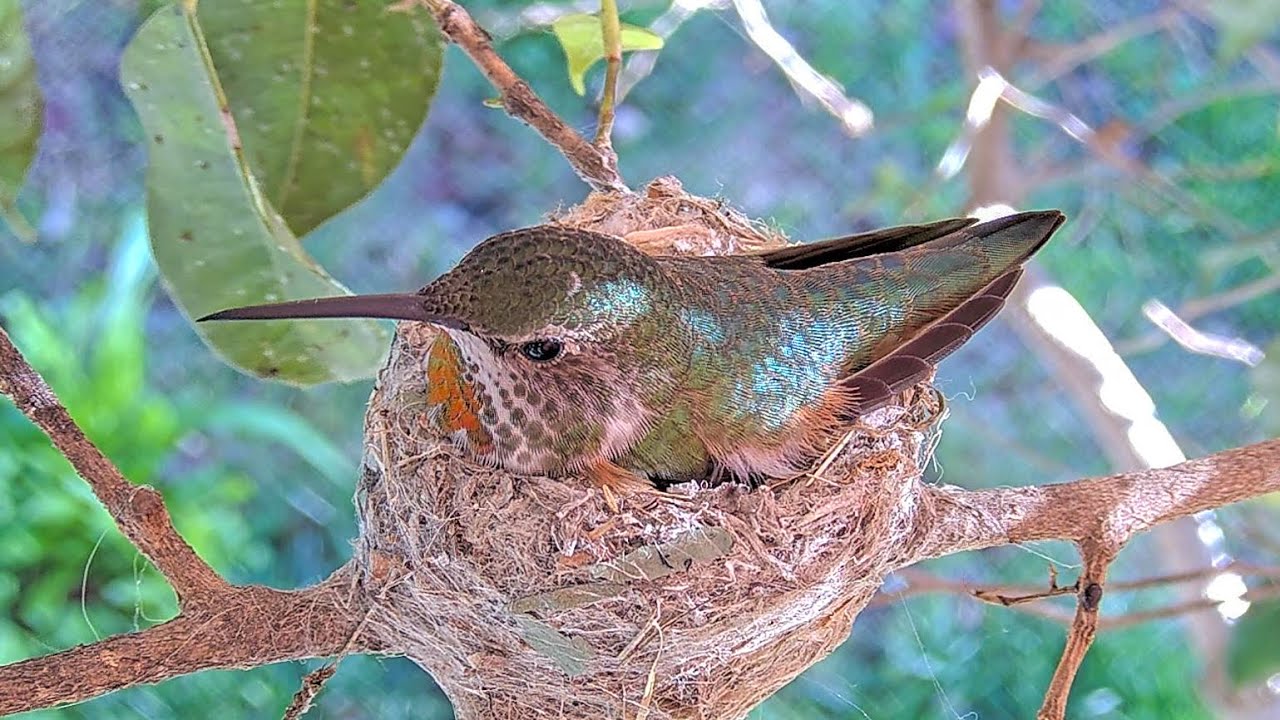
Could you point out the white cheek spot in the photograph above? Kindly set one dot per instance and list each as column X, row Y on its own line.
column 575, row 284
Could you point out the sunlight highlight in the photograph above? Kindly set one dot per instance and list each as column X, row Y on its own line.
column 854, row 115
column 1228, row 589
column 1062, row 316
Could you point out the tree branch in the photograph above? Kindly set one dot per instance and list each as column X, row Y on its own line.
column 920, row 582
column 246, row 627
column 521, row 102
column 138, row 511
column 1109, row 509
column 854, row 115
column 1195, row 309
column 1078, row 53
column 1084, row 628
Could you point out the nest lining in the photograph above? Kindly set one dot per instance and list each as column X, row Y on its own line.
column 529, row 596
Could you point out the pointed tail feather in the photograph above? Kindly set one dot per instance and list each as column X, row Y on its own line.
column 1012, row 239
column 809, row 255
column 879, row 382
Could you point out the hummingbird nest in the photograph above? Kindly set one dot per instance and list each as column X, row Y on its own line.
column 530, row 597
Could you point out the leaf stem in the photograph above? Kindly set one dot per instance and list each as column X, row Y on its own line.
column 611, row 28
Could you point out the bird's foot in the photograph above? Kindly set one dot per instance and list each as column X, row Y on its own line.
column 617, row 482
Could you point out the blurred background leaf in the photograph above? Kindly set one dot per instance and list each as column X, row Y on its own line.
column 217, row 241
column 1254, row 654
column 19, row 114
column 1242, row 24
column 327, row 94
column 581, row 37
column 1266, row 381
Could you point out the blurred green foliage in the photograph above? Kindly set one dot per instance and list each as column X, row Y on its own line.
column 1254, row 654
column 259, row 477
column 94, row 353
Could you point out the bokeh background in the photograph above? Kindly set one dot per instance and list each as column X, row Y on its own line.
column 1173, row 196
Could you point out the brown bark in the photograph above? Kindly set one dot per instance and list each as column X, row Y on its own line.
column 246, row 627
column 138, row 511
column 242, row 627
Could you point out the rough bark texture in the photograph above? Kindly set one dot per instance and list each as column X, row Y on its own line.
column 244, row 627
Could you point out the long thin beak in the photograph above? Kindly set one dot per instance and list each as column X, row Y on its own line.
column 392, row 306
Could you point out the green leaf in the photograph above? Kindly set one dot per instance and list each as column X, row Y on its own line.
column 327, row 94
column 1241, row 24
column 571, row 655
column 583, row 42
column 19, row 113
column 216, row 239
column 1253, row 653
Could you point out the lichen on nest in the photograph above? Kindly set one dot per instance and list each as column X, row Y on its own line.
column 529, row 595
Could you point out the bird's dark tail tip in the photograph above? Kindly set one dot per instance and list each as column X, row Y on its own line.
column 1023, row 233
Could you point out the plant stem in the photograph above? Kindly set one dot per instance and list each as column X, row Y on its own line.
column 598, row 168
column 612, row 31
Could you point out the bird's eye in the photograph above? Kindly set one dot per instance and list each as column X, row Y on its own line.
column 542, row 350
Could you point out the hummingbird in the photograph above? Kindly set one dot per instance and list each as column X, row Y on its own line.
column 568, row 352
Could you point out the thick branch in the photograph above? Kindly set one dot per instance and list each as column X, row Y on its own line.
column 1109, row 509
column 246, row 627
column 521, row 102
column 138, row 511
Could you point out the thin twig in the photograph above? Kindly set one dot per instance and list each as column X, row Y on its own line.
column 138, row 510
column 1173, row 110
column 1016, row 38
column 520, row 101
column 1195, row 309
column 853, row 114
column 1094, row 46
column 611, row 29
column 1084, row 628
column 314, row 681
column 1199, row 341
column 920, row 582
column 312, row 684
column 1008, row 599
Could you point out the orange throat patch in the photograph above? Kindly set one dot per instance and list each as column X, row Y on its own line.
column 452, row 396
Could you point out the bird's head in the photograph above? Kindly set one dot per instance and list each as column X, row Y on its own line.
column 550, row 348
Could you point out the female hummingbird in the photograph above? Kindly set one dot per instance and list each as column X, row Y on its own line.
column 564, row 351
